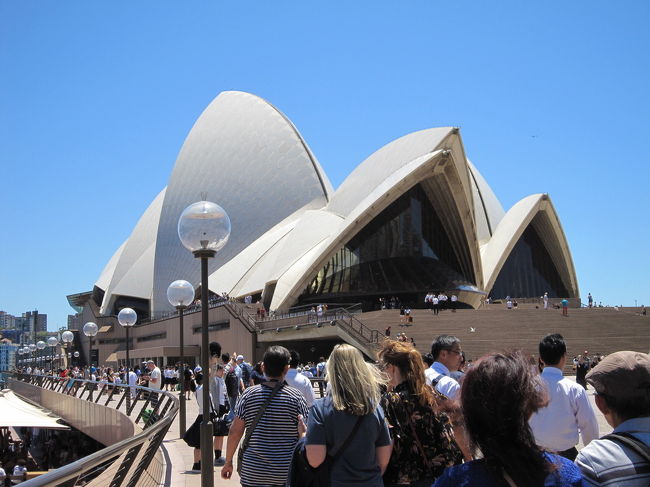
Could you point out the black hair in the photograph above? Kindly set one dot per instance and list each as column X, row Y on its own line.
column 626, row 408
column 442, row 342
column 295, row 359
column 552, row 348
column 276, row 358
column 215, row 349
column 427, row 358
column 225, row 358
column 498, row 396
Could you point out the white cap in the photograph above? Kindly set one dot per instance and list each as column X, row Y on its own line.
column 197, row 369
column 239, row 357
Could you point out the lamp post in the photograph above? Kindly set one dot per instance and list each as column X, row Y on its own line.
column 40, row 345
column 180, row 294
column 127, row 318
column 32, row 349
column 204, row 228
column 90, row 330
column 52, row 343
column 67, row 337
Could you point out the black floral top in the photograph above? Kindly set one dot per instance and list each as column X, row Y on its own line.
column 433, row 431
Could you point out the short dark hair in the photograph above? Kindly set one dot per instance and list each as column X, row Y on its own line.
column 215, row 349
column 225, row 358
column 552, row 348
column 275, row 359
column 443, row 342
column 628, row 408
column 295, row 359
column 427, row 358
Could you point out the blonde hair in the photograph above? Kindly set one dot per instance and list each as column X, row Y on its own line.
column 354, row 385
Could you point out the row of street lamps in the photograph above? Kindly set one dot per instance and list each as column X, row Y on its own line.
column 204, row 229
column 27, row 353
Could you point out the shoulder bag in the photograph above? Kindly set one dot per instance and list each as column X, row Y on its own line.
column 636, row 445
column 302, row 474
column 276, row 388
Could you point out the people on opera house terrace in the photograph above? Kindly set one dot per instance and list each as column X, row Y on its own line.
column 446, row 353
column 622, row 384
column 350, row 419
column 498, row 396
column 422, row 435
column 270, row 414
column 556, row 427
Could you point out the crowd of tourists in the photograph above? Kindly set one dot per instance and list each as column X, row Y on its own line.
column 416, row 420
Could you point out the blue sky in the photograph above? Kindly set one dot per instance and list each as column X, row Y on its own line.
column 96, row 99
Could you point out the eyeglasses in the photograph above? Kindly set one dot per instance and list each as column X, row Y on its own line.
column 457, row 352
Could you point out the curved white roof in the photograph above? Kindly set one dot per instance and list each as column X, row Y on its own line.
column 245, row 155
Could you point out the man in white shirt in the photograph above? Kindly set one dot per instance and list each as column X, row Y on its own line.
column 132, row 380
column 155, row 381
column 556, row 426
column 298, row 380
column 447, row 355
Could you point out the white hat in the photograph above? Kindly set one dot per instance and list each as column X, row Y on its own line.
column 239, row 357
column 197, row 369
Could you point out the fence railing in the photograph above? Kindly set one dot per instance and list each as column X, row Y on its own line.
column 129, row 462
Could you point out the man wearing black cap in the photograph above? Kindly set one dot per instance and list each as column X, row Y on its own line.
column 622, row 384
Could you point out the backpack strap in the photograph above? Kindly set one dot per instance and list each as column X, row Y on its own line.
column 276, row 388
column 336, row 452
column 631, row 442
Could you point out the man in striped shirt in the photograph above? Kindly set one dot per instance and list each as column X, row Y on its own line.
column 267, row 458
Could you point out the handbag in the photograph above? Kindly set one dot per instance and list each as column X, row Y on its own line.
column 220, row 424
column 302, row 474
column 240, row 455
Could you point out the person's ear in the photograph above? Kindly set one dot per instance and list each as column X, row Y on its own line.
column 602, row 405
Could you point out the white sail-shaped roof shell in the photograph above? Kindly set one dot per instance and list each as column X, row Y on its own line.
column 245, row 155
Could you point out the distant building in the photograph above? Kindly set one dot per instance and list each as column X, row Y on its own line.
column 74, row 322
column 7, row 355
column 7, row 320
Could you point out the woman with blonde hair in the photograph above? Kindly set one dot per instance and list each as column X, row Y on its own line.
column 423, row 440
column 348, row 423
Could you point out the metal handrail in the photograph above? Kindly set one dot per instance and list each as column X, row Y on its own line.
column 156, row 426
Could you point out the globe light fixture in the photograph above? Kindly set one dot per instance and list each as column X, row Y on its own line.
column 204, row 229
column 127, row 318
column 90, row 329
column 180, row 294
column 67, row 337
column 52, row 342
column 40, row 345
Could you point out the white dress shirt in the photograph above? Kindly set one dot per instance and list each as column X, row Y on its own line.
column 446, row 385
column 302, row 383
column 568, row 413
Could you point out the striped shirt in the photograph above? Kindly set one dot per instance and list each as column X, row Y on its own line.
column 607, row 463
column 268, row 456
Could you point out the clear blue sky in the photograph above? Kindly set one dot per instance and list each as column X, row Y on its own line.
column 97, row 97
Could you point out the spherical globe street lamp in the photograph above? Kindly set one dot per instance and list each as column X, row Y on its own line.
column 67, row 337
column 52, row 343
column 90, row 329
column 180, row 294
column 40, row 345
column 204, row 229
column 127, row 318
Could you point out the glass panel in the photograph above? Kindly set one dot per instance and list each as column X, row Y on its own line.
column 529, row 271
column 405, row 251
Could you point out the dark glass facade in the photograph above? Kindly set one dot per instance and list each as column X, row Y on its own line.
column 529, row 271
column 405, row 251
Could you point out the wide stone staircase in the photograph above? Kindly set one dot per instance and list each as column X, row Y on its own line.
column 598, row 330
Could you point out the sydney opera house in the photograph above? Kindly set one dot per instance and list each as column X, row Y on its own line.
column 415, row 216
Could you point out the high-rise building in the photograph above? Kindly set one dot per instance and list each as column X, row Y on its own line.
column 7, row 355
column 74, row 322
column 7, row 320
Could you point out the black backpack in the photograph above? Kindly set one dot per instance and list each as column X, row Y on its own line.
column 301, row 474
column 232, row 383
